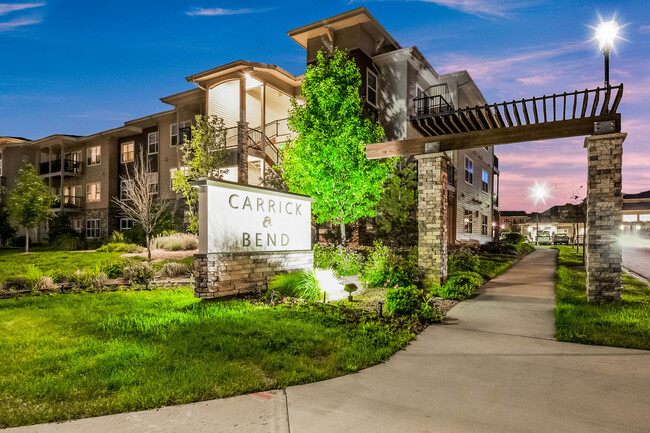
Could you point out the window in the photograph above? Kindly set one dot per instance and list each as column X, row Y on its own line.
column 128, row 152
column 484, row 181
column 93, row 192
column 94, row 155
column 153, row 183
column 469, row 171
column 78, row 225
column 153, row 142
column 467, row 222
column 124, row 185
column 371, row 88
column 92, row 228
column 173, row 133
column 484, row 225
column 126, row 223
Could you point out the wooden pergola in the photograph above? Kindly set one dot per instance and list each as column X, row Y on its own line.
column 592, row 113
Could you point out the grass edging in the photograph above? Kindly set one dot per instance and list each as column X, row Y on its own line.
column 626, row 324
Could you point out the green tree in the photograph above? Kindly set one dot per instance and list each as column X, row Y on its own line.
column 30, row 201
column 6, row 230
column 327, row 159
column 396, row 222
column 203, row 156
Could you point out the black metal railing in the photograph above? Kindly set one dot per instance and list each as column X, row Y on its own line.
column 69, row 202
column 429, row 105
column 54, row 166
column 185, row 134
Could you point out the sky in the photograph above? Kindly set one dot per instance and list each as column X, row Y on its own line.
column 79, row 67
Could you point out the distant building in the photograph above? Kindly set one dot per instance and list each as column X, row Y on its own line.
column 511, row 220
column 636, row 214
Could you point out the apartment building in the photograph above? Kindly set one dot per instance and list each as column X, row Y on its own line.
column 399, row 85
column 401, row 88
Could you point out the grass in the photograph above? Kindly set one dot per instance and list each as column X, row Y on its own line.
column 130, row 351
column 493, row 265
column 623, row 325
column 56, row 264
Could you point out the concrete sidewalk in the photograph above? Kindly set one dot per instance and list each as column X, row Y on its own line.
column 492, row 367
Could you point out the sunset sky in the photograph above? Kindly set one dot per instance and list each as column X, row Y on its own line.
column 76, row 67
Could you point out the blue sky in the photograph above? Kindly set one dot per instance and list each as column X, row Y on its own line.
column 78, row 67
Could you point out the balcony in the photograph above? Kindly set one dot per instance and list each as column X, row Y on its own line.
column 72, row 202
column 426, row 106
column 70, row 167
column 185, row 134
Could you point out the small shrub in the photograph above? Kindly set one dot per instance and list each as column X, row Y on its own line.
column 403, row 300
column 500, row 247
column 514, row 238
column 302, row 284
column 67, row 242
column 174, row 269
column 389, row 268
column 120, row 247
column 429, row 313
column 45, row 283
column 14, row 284
column 459, row 286
column 176, row 242
column 138, row 273
column 343, row 261
column 377, row 265
column 525, row 248
column 113, row 269
column 463, row 260
column 33, row 276
column 98, row 281
column 118, row 237
column 83, row 279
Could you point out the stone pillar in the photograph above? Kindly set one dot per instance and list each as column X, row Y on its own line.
column 432, row 218
column 242, row 153
column 604, row 205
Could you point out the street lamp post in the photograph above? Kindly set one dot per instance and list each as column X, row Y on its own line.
column 606, row 34
column 539, row 192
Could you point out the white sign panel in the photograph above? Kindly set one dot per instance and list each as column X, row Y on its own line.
column 238, row 218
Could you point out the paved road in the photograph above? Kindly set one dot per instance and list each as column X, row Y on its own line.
column 637, row 259
column 493, row 367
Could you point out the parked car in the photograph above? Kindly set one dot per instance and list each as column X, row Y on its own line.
column 561, row 239
column 544, row 238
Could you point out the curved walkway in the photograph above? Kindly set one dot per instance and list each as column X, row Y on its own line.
column 492, row 367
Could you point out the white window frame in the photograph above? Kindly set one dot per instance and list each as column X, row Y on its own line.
column 96, row 195
column 93, row 158
column 155, row 142
column 485, row 185
column 92, row 231
column 78, row 225
column 128, row 152
column 176, row 134
column 376, row 89
column 468, row 221
column 126, row 224
column 470, row 170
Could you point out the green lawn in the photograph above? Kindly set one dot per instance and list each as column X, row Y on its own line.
column 81, row 355
column 624, row 325
column 56, row 264
column 492, row 265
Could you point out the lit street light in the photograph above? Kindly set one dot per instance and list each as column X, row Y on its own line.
column 606, row 33
column 539, row 192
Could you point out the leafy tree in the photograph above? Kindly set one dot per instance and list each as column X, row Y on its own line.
column 396, row 210
column 327, row 159
column 203, row 156
column 30, row 201
column 6, row 230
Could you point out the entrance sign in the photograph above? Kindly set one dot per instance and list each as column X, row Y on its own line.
column 235, row 218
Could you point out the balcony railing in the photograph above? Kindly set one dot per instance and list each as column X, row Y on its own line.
column 69, row 202
column 54, row 166
column 185, row 134
column 430, row 105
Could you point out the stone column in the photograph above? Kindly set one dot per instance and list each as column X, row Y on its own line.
column 432, row 218
column 242, row 153
column 604, row 204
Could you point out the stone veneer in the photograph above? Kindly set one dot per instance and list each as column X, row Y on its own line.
column 432, row 217
column 225, row 274
column 604, row 204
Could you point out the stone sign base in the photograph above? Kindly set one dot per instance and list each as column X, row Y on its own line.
column 226, row 274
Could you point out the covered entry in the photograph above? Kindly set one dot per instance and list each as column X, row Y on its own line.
column 592, row 113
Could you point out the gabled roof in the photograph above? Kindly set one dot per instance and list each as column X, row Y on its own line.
column 347, row 19
column 639, row 195
column 242, row 65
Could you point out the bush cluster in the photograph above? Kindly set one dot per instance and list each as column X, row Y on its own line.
column 463, row 260
column 174, row 269
column 459, row 286
column 176, row 242
column 302, row 284
column 410, row 301
column 138, row 273
column 120, row 247
column 386, row 267
column 343, row 261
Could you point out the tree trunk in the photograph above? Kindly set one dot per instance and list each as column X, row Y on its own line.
column 148, row 248
column 26, row 241
column 343, row 237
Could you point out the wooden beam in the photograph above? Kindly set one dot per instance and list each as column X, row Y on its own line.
column 491, row 137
